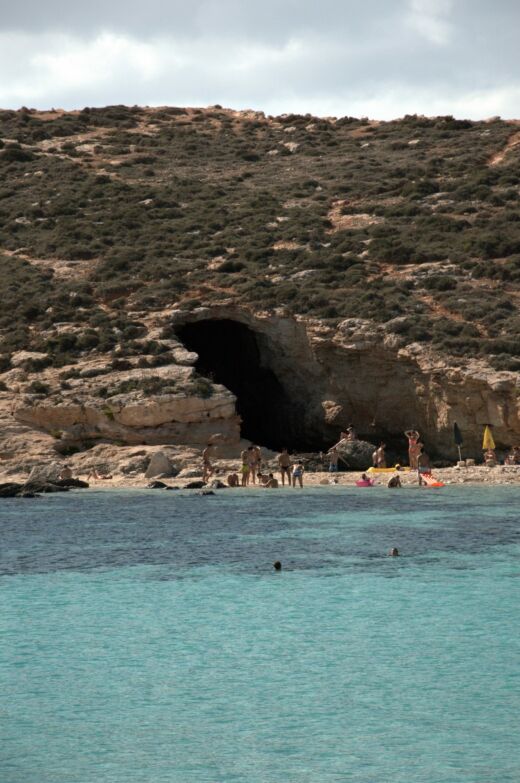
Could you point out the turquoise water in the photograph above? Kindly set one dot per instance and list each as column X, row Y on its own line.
column 146, row 637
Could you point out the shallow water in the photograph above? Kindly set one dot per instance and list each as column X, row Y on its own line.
column 146, row 637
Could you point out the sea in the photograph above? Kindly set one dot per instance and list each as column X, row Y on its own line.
column 147, row 638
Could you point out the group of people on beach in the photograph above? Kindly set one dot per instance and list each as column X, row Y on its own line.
column 417, row 456
column 250, row 472
column 292, row 470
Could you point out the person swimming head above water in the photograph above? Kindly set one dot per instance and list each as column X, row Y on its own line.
column 277, row 565
column 393, row 552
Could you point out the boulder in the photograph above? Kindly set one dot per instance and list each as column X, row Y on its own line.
column 156, row 485
column 43, row 486
column 45, row 473
column 194, row 485
column 357, row 454
column 160, row 465
column 10, row 489
column 135, row 465
column 217, row 484
column 190, row 472
column 72, row 483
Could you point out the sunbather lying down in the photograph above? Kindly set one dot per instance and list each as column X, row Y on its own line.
column 95, row 474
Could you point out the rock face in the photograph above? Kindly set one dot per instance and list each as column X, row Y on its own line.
column 156, row 420
column 362, row 372
column 326, row 377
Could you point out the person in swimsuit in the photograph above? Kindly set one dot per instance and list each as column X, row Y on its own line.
column 233, row 480
column 350, row 433
column 254, row 459
column 423, row 464
column 244, row 470
column 490, row 458
column 333, row 460
column 284, row 462
column 379, row 457
column 271, row 482
column 413, row 448
column 65, row 473
column 297, row 474
column 95, row 474
column 207, row 467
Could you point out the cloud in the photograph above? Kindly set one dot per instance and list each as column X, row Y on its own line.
column 430, row 18
column 377, row 59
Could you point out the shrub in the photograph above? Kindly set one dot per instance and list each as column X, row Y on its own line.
column 201, row 387
column 37, row 387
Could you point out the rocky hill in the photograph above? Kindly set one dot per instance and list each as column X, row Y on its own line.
column 169, row 274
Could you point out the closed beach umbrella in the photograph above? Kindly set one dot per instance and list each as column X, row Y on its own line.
column 487, row 440
column 457, row 436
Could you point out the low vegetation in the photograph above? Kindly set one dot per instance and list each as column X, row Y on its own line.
column 109, row 212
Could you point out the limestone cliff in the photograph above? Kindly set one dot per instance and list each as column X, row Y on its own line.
column 326, row 377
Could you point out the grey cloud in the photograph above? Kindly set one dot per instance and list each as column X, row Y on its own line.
column 264, row 55
column 270, row 19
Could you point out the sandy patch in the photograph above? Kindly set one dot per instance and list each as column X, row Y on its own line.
column 498, row 157
column 287, row 245
column 341, row 222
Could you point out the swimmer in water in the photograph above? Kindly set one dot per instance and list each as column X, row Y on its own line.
column 394, row 552
column 277, row 565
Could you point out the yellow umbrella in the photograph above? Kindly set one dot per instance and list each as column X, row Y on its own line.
column 487, row 440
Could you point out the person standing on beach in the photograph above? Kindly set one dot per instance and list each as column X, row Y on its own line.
column 255, row 459
column 297, row 474
column 413, row 447
column 207, row 467
column 423, row 463
column 245, row 469
column 284, row 463
column 379, row 457
column 333, row 460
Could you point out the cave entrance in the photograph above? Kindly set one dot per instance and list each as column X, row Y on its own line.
column 231, row 353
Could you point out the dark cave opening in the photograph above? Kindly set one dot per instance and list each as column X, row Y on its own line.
column 229, row 353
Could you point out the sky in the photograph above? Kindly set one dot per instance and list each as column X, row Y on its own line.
column 365, row 58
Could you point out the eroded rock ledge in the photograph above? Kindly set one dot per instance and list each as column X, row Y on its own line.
column 356, row 371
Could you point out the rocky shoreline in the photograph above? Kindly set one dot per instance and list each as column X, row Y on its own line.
column 475, row 475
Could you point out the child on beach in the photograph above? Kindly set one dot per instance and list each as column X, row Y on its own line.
column 297, row 474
